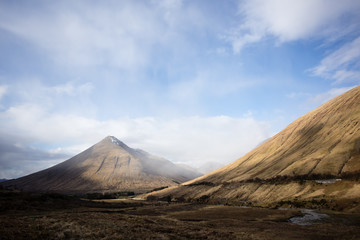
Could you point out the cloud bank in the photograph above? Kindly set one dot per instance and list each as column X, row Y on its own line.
column 190, row 140
column 17, row 159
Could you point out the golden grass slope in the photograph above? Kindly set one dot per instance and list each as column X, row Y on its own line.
column 108, row 166
column 324, row 142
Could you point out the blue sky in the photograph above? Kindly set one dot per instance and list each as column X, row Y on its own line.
column 193, row 81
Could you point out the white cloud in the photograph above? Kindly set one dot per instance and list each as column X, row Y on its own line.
column 85, row 35
column 288, row 20
column 3, row 90
column 169, row 4
column 326, row 96
column 195, row 140
column 346, row 76
column 61, row 97
column 341, row 65
column 71, row 89
column 191, row 140
column 112, row 34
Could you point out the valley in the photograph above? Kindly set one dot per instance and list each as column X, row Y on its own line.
column 180, row 119
column 303, row 183
column 51, row 216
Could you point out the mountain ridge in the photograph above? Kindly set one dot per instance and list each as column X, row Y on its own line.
column 108, row 166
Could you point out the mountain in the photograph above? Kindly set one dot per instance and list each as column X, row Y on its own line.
column 302, row 161
column 108, row 166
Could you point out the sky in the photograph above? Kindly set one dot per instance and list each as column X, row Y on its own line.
column 194, row 81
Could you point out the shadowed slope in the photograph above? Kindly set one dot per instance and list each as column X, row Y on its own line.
column 108, row 166
column 323, row 143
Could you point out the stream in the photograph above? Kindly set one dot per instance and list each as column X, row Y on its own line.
column 310, row 217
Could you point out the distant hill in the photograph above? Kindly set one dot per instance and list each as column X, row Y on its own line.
column 323, row 144
column 3, row 180
column 108, row 166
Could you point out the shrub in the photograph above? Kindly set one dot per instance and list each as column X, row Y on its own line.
column 152, row 198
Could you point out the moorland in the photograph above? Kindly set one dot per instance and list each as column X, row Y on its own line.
column 55, row 216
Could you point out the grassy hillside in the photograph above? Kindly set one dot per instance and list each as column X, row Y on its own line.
column 323, row 144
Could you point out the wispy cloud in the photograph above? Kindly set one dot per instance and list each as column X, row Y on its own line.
column 73, row 36
column 342, row 65
column 285, row 21
column 121, row 35
column 3, row 90
column 290, row 20
column 61, row 97
column 326, row 96
column 71, row 89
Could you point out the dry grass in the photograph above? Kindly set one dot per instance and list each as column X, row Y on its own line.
column 69, row 218
column 325, row 142
column 340, row 196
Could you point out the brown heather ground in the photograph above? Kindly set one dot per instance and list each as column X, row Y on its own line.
column 36, row 216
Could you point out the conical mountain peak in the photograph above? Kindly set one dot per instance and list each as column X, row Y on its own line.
column 113, row 140
column 108, row 166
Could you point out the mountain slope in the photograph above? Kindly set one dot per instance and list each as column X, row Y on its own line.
column 324, row 143
column 108, row 166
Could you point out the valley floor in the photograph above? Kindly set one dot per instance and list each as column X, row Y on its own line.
column 38, row 216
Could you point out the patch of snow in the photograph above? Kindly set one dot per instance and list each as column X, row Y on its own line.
column 115, row 141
